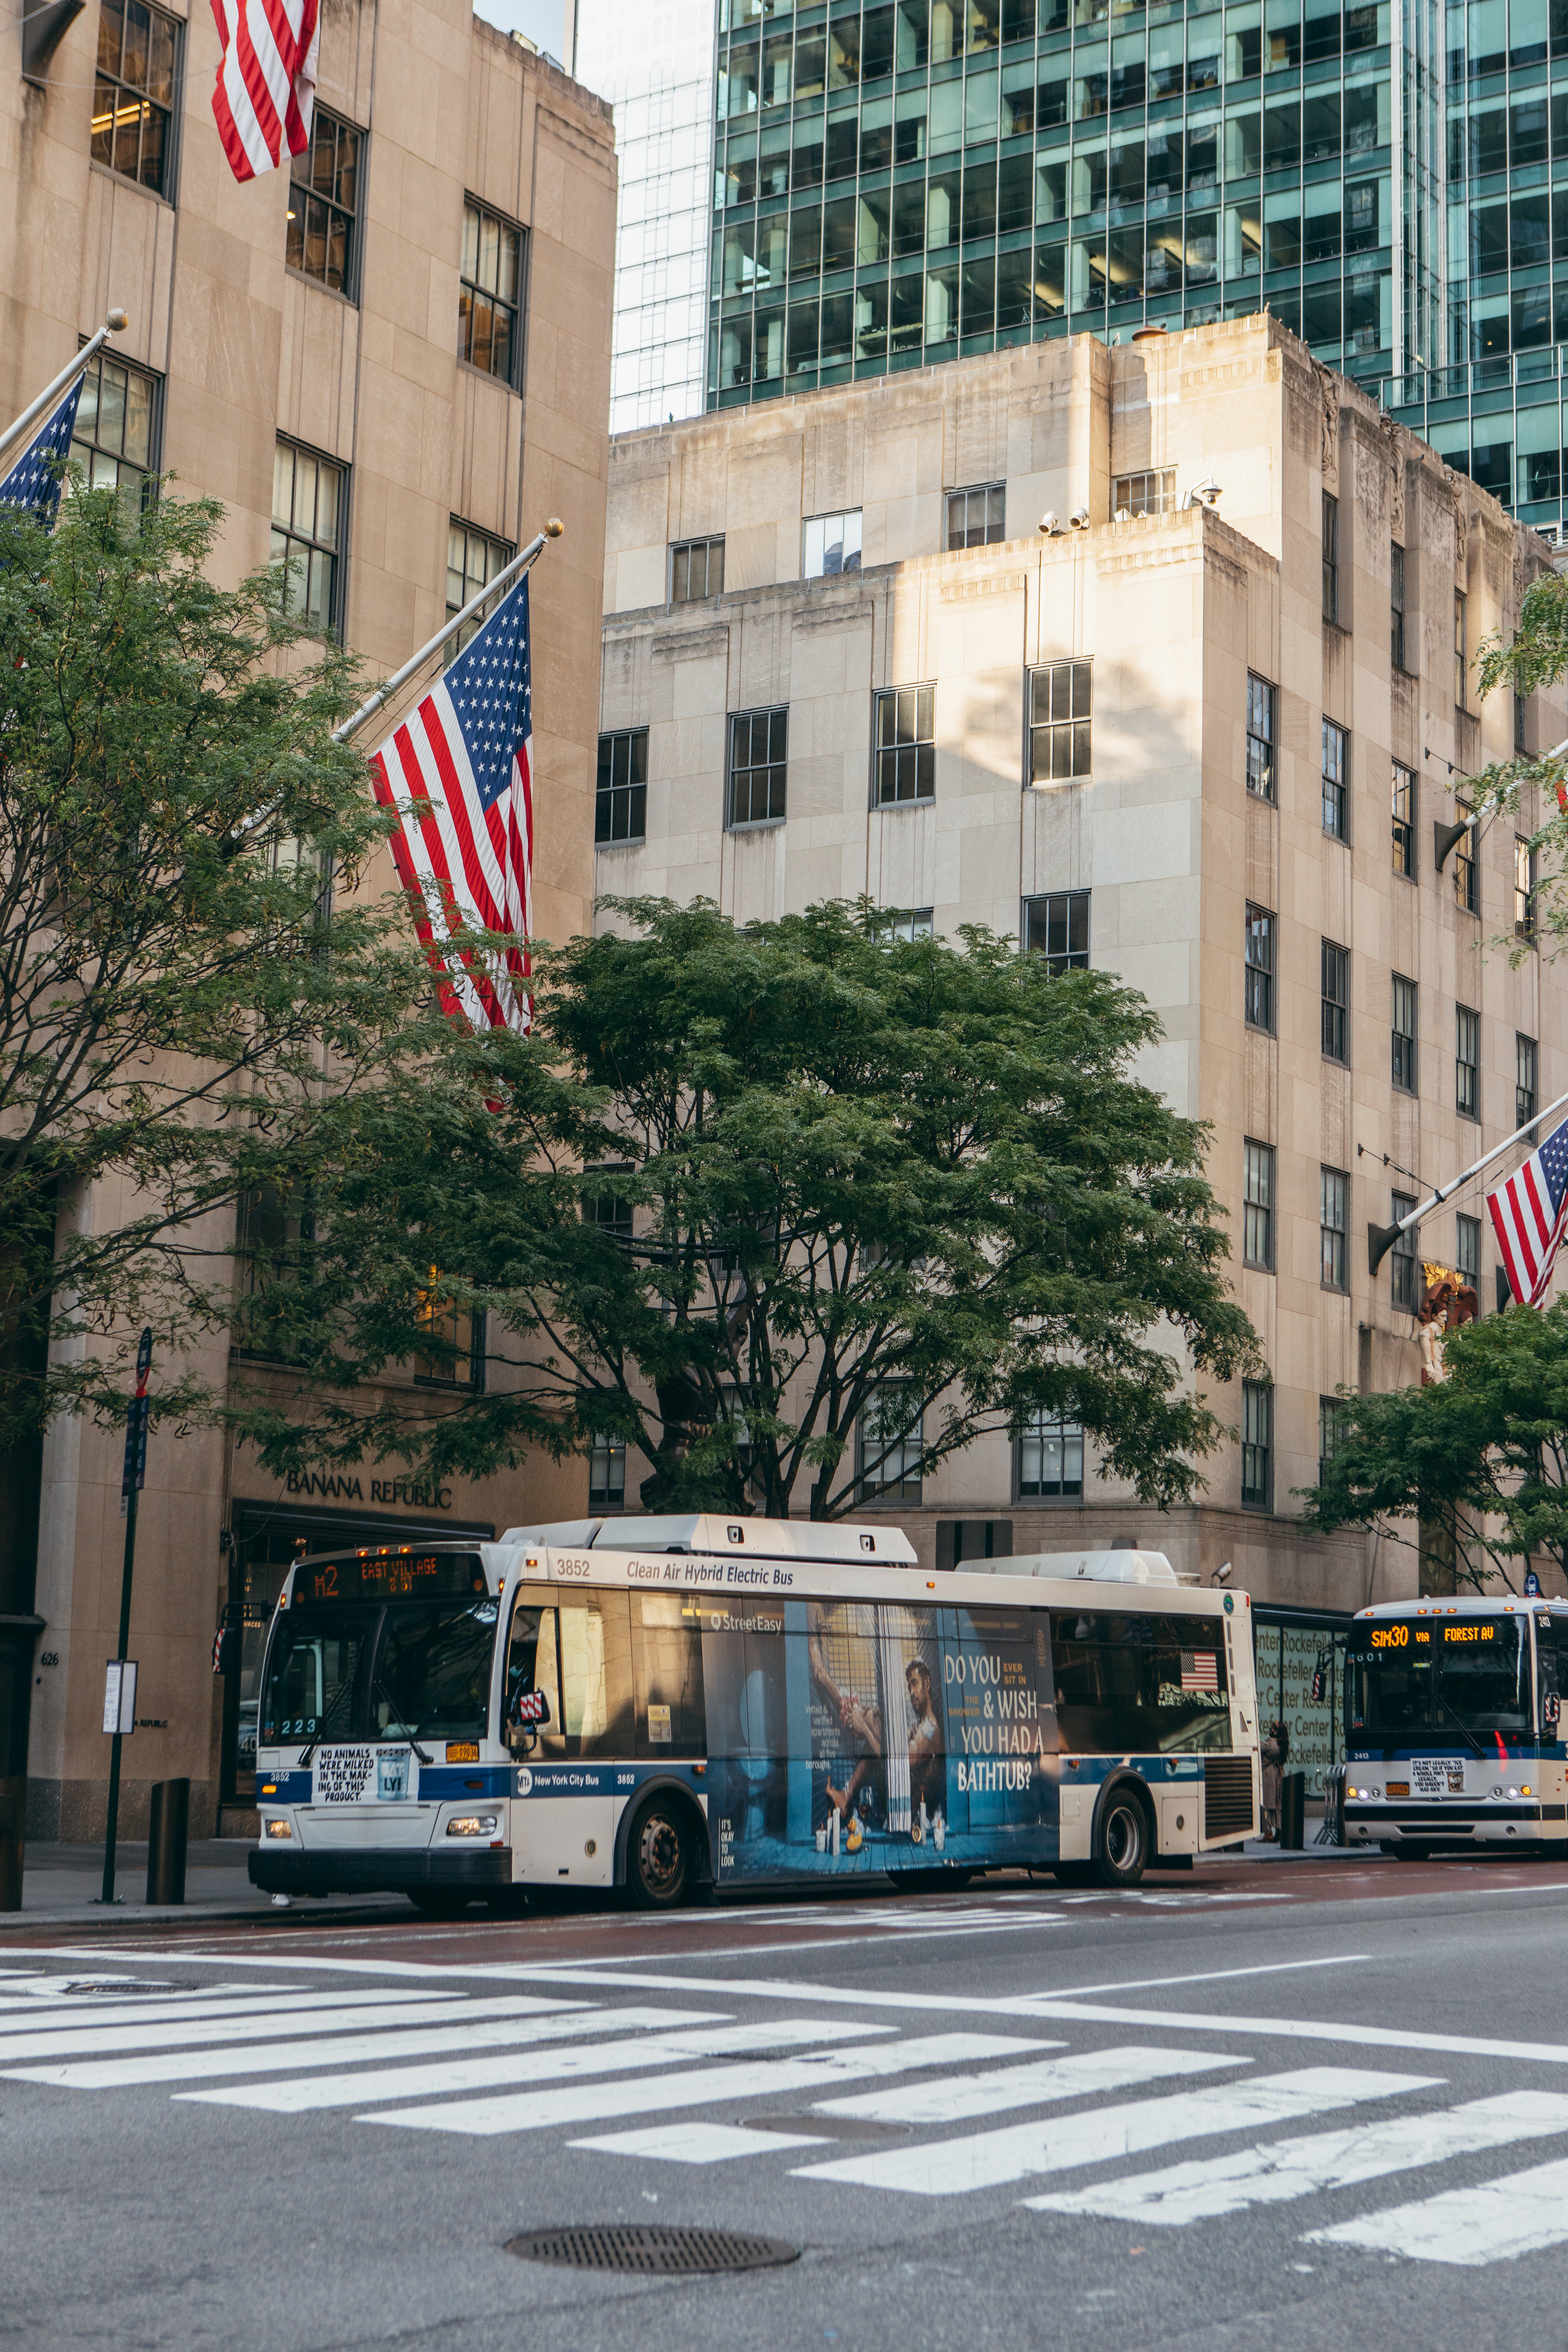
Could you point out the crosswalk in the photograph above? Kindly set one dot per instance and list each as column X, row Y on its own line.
column 1050, row 2108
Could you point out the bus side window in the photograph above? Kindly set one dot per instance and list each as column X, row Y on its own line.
column 1548, row 1673
column 666, row 1639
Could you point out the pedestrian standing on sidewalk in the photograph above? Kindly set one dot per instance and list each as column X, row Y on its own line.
column 1275, row 1751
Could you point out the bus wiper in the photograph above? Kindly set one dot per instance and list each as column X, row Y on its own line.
column 322, row 1731
column 1464, row 1727
column 392, row 1709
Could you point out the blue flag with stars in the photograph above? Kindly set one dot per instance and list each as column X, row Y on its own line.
column 34, row 481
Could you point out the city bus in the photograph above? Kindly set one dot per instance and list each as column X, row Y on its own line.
column 677, row 1706
column 1453, row 1736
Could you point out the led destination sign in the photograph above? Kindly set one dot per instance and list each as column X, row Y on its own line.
column 402, row 1575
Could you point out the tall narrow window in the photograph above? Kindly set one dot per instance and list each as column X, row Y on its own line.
column 890, row 1441
column 906, row 745
column 1334, row 1228
column 1057, row 927
column 452, row 1355
column 1396, row 606
column 1467, row 866
column 977, row 517
column 323, row 203
column 1402, row 1257
column 473, row 558
column 1256, row 1446
column 276, row 1232
column 1336, row 1002
column 620, row 800
column 1336, row 781
column 1524, row 881
column 489, row 293
column 1403, row 796
column 112, row 439
column 1460, row 665
column 1468, row 1248
column 1330, row 558
column 1404, row 1032
column 307, row 523
column 1258, row 1000
column 133, row 91
column 1259, row 736
column 1466, row 1062
column 696, row 570
column 1257, row 1205
column 1520, row 726
column 759, row 766
column 608, row 1474
column 1525, row 1094
column 1333, row 1416
column 1050, row 1457
column 831, row 544
column 1059, row 721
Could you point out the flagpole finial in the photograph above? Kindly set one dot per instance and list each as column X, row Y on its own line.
column 554, row 527
column 116, row 322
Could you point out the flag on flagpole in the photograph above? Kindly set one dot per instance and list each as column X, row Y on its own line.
column 265, row 95
column 459, row 773
column 34, row 481
column 1528, row 1214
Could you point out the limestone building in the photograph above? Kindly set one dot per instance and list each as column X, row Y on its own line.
column 391, row 365
column 1180, row 633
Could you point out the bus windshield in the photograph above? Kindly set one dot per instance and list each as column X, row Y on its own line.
column 1449, row 1678
column 352, row 1669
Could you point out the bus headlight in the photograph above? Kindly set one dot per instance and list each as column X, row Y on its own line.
column 472, row 1825
column 278, row 1829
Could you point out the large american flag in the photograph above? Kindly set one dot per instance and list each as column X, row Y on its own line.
column 34, row 481
column 265, row 93
column 1528, row 1214
column 459, row 772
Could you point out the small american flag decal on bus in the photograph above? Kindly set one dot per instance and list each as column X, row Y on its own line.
column 1200, row 1670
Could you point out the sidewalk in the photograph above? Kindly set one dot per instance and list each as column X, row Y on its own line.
column 61, row 1883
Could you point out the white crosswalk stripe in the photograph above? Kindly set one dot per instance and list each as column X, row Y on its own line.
column 85, row 2039
column 1521, row 2214
column 956, row 2098
column 100, row 2018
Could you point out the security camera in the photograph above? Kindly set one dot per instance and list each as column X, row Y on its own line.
column 1079, row 519
column 1221, row 1574
column 1051, row 523
column 1206, row 493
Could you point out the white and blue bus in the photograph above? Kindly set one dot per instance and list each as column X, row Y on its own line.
column 676, row 1705
column 1453, row 1730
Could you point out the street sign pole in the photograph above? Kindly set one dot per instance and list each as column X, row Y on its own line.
column 131, row 1488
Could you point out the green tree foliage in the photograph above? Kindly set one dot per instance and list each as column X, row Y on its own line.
column 1536, row 656
column 1482, row 1455
column 745, row 1192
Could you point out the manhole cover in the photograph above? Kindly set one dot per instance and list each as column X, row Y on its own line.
column 652, row 2252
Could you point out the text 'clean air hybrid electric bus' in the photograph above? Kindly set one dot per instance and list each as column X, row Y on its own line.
column 674, row 1704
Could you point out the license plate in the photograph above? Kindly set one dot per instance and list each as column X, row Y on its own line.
column 1437, row 1776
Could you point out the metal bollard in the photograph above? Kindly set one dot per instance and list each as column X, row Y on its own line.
column 166, row 1837
column 1293, row 1811
column 13, row 1823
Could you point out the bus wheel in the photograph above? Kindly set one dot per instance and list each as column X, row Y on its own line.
column 660, row 1855
column 1123, row 1842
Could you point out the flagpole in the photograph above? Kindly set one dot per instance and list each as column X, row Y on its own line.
column 383, row 693
column 1380, row 1239
column 115, row 324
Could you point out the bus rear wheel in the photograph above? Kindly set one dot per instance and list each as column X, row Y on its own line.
column 660, row 1856
column 1123, row 1842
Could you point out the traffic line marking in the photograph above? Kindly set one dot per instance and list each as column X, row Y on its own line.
column 1521, row 2214
column 956, row 2098
column 85, row 2041
column 698, row 2143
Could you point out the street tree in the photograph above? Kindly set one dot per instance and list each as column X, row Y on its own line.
column 1528, row 790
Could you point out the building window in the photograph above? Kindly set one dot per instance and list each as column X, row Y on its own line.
column 976, row 518
column 323, row 199
column 1402, row 1256
column 1336, row 781
column 1466, row 1062
column 758, row 757
column 1333, row 1417
column 1059, row 722
column 1524, row 881
column 1256, row 1446
column 274, row 1235
column 307, row 524
column 1403, row 796
column 455, row 1357
column 1396, row 605
column 696, row 570
column 1336, row 986
column 608, row 1474
column 1468, row 1248
column 620, row 800
column 1521, row 729
column 1334, row 1228
column 912, row 923
column 906, row 745
column 490, row 292
column 1467, row 866
column 890, row 1441
column 1404, row 1024
column 1330, row 558
column 1050, row 1457
column 832, row 544
column 1259, row 736
column 133, row 91
column 1143, row 494
column 111, row 440
column 1257, row 1206
column 1524, row 1095
column 1057, row 927
column 1460, row 666
column 473, row 558
column 1258, row 1002
column 611, row 1212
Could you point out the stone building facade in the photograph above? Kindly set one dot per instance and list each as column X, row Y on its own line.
column 1188, row 628
column 391, row 364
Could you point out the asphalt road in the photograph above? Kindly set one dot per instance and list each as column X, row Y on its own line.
column 1318, row 2106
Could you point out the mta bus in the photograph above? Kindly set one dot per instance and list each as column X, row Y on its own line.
column 1453, row 1736
column 678, row 1706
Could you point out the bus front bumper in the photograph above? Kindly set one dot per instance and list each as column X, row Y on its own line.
column 1451, row 1824
column 386, row 1871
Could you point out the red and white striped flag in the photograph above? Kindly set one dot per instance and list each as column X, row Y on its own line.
column 459, row 771
column 1528, row 1214
column 264, row 94
column 1200, row 1670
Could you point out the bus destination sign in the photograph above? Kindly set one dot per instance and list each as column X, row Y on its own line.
column 404, row 1574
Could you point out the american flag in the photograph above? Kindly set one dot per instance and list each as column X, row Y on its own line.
column 459, row 772
column 34, row 480
column 266, row 87
column 1200, row 1670
column 1527, row 1214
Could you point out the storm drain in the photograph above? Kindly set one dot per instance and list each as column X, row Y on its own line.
column 114, row 1988
column 650, row 2252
